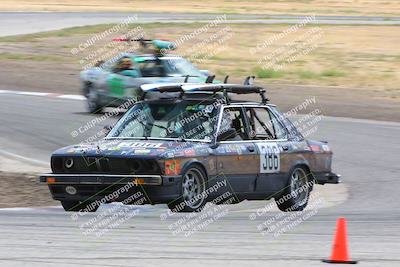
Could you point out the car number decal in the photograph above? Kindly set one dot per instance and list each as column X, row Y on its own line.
column 270, row 161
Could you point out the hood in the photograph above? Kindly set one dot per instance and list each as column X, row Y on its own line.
column 136, row 148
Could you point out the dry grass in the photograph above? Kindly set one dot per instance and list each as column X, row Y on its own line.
column 321, row 7
column 346, row 56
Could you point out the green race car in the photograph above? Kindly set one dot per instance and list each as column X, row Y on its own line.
column 112, row 82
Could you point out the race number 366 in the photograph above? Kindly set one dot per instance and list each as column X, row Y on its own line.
column 269, row 157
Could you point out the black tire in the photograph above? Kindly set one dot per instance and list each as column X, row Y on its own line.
column 92, row 101
column 75, row 206
column 297, row 192
column 193, row 186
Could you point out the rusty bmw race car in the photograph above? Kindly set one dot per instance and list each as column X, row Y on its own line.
column 190, row 145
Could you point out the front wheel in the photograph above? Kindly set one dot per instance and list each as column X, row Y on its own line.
column 296, row 194
column 193, row 188
column 92, row 99
column 76, row 206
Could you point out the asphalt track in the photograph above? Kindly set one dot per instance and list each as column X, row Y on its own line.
column 12, row 23
column 366, row 154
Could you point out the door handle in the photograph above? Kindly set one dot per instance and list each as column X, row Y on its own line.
column 285, row 148
column 250, row 148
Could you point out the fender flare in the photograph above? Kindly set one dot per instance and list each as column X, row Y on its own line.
column 194, row 162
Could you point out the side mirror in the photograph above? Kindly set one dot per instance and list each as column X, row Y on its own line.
column 99, row 63
column 205, row 72
column 107, row 129
column 228, row 134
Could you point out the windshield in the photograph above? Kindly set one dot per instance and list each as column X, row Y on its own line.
column 167, row 66
column 180, row 66
column 181, row 120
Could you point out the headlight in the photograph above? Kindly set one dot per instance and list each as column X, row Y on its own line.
column 68, row 163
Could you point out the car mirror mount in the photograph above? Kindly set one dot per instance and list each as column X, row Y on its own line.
column 214, row 145
column 107, row 129
column 228, row 134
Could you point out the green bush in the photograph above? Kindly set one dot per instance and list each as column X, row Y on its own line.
column 268, row 73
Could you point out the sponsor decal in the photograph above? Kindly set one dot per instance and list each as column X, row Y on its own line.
column 142, row 151
column 221, row 150
column 139, row 145
column 189, row 152
column 202, row 151
column 172, row 167
column 79, row 149
column 179, row 153
column 228, row 148
column 112, row 148
column 170, row 155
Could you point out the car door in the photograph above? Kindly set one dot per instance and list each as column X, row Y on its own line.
column 270, row 139
column 236, row 157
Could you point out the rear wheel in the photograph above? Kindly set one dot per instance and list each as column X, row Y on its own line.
column 76, row 206
column 296, row 194
column 92, row 97
column 193, row 187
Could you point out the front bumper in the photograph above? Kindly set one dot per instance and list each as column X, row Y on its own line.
column 156, row 188
column 327, row 178
column 100, row 179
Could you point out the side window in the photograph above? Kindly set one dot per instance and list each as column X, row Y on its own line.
column 152, row 68
column 234, row 118
column 264, row 125
column 293, row 133
column 280, row 131
column 111, row 64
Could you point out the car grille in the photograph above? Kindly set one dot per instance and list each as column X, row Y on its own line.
column 105, row 165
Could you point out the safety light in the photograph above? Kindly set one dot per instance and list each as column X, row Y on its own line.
column 51, row 180
column 139, row 181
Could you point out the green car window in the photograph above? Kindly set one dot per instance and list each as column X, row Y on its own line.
column 130, row 73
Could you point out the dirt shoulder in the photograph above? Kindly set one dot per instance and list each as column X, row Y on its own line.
column 23, row 190
column 332, row 101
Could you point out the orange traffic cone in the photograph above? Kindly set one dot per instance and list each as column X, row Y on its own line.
column 340, row 251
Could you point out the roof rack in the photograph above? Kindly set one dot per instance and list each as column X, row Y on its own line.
column 225, row 88
column 160, row 46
